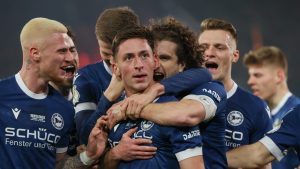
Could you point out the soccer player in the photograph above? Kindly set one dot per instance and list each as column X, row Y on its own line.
column 268, row 70
column 273, row 146
column 36, row 119
column 177, row 48
column 247, row 118
column 135, row 63
column 95, row 85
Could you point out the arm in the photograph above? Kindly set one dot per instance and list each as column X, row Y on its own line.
column 95, row 148
column 249, row 156
column 128, row 149
column 192, row 163
column 183, row 113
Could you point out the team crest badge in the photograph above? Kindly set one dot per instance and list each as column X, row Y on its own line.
column 76, row 94
column 57, row 121
column 146, row 125
column 235, row 118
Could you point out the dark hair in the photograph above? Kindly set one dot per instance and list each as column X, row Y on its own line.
column 71, row 33
column 218, row 24
column 113, row 20
column 188, row 49
column 130, row 33
column 268, row 55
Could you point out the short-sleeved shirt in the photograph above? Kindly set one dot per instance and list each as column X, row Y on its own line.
column 33, row 127
column 173, row 143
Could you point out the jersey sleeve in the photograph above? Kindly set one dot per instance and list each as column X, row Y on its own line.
column 103, row 105
column 186, row 141
column 262, row 123
column 211, row 95
column 185, row 81
column 285, row 135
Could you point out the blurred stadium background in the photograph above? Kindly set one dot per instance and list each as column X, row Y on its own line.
column 259, row 22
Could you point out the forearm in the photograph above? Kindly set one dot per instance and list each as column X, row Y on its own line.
column 182, row 113
column 249, row 156
column 111, row 160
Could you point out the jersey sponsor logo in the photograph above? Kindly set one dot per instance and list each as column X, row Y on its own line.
column 191, row 134
column 146, row 125
column 40, row 134
column 213, row 93
column 16, row 112
column 36, row 117
column 76, row 95
column 57, row 121
column 235, row 118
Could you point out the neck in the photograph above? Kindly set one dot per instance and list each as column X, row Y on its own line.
column 33, row 81
column 276, row 97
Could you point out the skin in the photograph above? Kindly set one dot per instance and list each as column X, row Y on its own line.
column 166, row 51
column 219, row 48
column 268, row 82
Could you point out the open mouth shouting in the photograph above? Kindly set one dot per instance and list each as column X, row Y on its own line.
column 69, row 71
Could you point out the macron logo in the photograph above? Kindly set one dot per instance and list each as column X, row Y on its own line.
column 16, row 112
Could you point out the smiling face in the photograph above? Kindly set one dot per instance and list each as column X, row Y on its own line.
column 58, row 59
column 219, row 51
column 135, row 64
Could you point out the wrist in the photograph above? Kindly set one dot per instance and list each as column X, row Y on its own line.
column 114, row 154
column 111, row 95
column 159, row 89
column 85, row 159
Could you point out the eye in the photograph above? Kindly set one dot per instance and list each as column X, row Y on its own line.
column 164, row 57
column 144, row 55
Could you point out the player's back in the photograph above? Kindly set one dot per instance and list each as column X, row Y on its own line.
column 247, row 118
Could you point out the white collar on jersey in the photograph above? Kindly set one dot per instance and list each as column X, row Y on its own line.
column 281, row 103
column 28, row 92
column 232, row 90
column 107, row 68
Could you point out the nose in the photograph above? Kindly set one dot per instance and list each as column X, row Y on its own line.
column 209, row 52
column 250, row 81
column 71, row 56
column 138, row 64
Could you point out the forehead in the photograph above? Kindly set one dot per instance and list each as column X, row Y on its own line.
column 59, row 40
column 165, row 46
column 133, row 46
column 215, row 37
column 262, row 69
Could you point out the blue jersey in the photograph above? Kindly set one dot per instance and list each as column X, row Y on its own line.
column 213, row 130
column 173, row 143
column 33, row 127
column 285, row 136
column 247, row 118
column 89, row 84
column 287, row 102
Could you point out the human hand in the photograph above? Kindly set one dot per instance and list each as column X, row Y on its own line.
column 116, row 113
column 97, row 139
column 130, row 149
column 114, row 89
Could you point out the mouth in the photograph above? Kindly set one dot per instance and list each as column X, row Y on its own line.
column 211, row 65
column 69, row 70
column 158, row 76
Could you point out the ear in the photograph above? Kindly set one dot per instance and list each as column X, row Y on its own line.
column 236, row 56
column 34, row 54
column 116, row 70
column 156, row 61
column 181, row 67
column 281, row 75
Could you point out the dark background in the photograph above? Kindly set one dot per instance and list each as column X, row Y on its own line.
column 259, row 22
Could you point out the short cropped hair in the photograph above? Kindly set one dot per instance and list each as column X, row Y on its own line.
column 38, row 29
column 218, row 24
column 113, row 20
column 268, row 55
column 188, row 50
column 140, row 32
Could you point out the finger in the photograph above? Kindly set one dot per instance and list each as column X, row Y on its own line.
column 142, row 141
column 130, row 132
column 146, row 149
column 138, row 111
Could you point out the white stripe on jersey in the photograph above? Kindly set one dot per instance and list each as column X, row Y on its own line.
column 61, row 150
column 272, row 147
column 85, row 106
column 191, row 152
column 208, row 104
